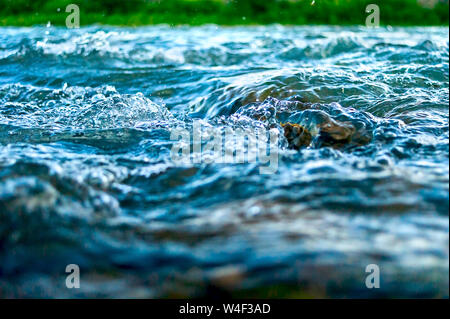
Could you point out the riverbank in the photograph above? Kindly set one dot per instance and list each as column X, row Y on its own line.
column 198, row 12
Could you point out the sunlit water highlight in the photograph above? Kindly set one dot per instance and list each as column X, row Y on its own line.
column 86, row 176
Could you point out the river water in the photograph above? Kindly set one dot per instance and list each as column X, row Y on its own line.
column 87, row 175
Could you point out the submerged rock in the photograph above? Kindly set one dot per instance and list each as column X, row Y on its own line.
column 324, row 130
column 308, row 124
column 296, row 135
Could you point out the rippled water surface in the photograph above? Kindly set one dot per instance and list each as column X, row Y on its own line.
column 86, row 175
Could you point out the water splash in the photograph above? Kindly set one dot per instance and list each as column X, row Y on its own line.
column 86, row 174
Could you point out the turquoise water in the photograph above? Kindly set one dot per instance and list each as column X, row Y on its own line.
column 87, row 177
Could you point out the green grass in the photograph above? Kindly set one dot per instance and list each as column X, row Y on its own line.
column 222, row 12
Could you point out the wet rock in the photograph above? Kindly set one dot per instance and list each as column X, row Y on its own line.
column 314, row 124
column 296, row 135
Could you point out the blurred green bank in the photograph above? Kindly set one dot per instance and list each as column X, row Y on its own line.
column 224, row 12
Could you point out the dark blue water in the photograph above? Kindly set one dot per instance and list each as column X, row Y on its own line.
column 87, row 178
